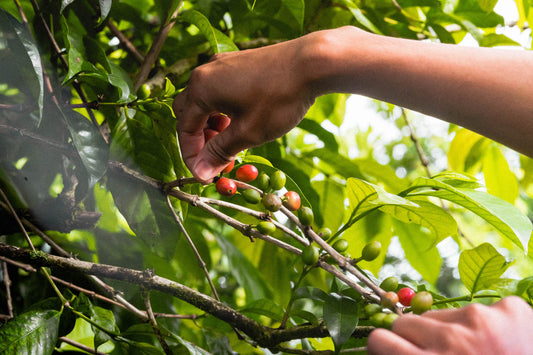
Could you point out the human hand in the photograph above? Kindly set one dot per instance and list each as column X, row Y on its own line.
column 264, row 91
column 502, row 328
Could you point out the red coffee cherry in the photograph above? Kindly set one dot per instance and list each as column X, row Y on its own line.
column 291, row 200
column 226, row 187
column 405, row 295
column 246, row 173
column 228, row 167
column 218, row 122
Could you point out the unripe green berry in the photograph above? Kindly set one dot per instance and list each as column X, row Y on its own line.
column 389, row 284
column 341, row 245
column 305, row 214
column 310, row 255
column 371, row 251
column 251, row 196
column 389, row 319
column 266, row 227
column 371, row 309
column 324, row 233
column 277, row 180
column 263, row 181
column 421, row 302
column 377, row 320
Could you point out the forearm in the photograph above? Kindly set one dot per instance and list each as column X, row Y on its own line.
column 487, row 90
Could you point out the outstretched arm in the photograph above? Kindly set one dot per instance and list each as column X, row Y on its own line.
column 267, row 91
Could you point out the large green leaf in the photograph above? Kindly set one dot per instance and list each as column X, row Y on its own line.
column 219, row 42
column 360, row 16
column 34, row 332
column 244, row 271
column 419, row 250
column 340, row 314
column 499, row 178
column 503, row 216
column 480, row 267
column 29, row 50
column 91, row 147
column 297, row 10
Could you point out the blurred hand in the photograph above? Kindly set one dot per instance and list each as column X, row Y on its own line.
column 264, row 92
column 502, row 328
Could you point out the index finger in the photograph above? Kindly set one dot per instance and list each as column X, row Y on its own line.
column 191, row 120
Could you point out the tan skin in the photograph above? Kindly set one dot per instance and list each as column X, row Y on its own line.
column 267, row 91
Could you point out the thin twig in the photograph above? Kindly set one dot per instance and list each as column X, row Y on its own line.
column 80, row 346
column 7, row 284
column 125, row 41
column 15, row 215
column 157, row 45
column 153, row 322
column 414, row 138
column 191, row 243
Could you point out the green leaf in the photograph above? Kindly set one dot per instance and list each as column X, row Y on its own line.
column 426, row 214
column 420, row 250
column 244, row 271
column 480, row 267
column 341, row 318
column 460, row 148
column 91, row 147
column 33, row 332
column 265, row 307
column 328, row 107
column 31, row 53
column 312, row 126
column 297, row 10
column 219, row 42
column 499, row 178
column 503, row 216
column 366, row 196
column 360, row 16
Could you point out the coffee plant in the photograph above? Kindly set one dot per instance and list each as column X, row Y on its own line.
column 300, row 246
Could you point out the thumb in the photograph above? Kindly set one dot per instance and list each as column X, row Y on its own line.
column 217, row 152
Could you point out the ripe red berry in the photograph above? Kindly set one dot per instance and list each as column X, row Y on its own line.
column 228, row 167
column 291, row 200
column 405, row 295
column 226, row 187
column 246, row 173
column 218, row 122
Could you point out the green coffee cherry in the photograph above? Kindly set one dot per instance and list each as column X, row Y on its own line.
column 421, row 302
column 310, row 255
column 389, row 284
column 144, row 92
column 389, row 319
column 263, row 181
column 377, row 320
column 251, row 196
column 371, row 251
column 277, row 180
column 266, row 227
column 324, row 233
column 305, row 214
column 341, row 245
column 371, row 309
